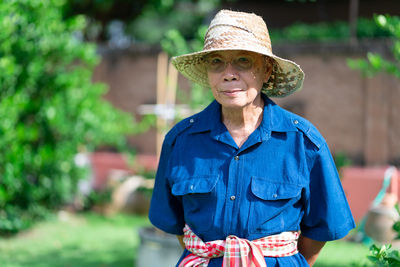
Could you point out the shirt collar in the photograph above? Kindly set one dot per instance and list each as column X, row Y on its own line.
column 280, row 119
column 274, row 119
column 208, row 119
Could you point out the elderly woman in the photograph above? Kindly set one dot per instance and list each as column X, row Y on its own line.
column 244, row 182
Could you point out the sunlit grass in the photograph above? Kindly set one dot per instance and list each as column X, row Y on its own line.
column 343, row 253
column 75, row 240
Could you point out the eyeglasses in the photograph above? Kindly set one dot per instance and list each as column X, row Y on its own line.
column 216, row 63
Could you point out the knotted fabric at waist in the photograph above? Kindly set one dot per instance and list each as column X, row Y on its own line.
column 238, row 252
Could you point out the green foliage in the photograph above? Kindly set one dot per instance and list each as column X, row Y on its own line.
column 301, row 1
column 341, row 160
column 327, row 31
column 144, row 20
column 175, row 44
column 101, row 13
column 396, row 228
column 368, row 28
column 150, row 27
column 384, row 256
column 50, row 109
column 160, row 16
column 311, row 32
column 105, row 10
column 375, row 63
column 97, row 198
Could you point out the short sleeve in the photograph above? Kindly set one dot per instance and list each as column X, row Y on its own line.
column 166, row 212
column 327, row 214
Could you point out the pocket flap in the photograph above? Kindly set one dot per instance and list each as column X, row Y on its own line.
column 267, row 190
column 196, row 185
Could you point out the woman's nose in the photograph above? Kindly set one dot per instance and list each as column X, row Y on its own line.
column 230, row 73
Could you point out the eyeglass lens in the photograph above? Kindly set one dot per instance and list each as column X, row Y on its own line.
column 216, row 63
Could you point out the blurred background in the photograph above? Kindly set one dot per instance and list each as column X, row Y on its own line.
column 87, row 94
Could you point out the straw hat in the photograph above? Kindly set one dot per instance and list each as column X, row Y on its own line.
column 231, row 30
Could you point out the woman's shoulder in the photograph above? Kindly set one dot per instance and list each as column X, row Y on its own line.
column 309, row 130
column 300, row 124
column 179, row 128
column 200, row 121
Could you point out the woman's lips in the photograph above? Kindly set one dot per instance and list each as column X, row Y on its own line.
column 231, row 92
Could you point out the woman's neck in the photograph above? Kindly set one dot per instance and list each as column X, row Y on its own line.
column 241, row 122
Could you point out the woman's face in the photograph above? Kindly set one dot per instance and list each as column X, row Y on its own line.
column 236, row 77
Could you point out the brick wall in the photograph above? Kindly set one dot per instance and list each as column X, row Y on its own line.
column 356, row 115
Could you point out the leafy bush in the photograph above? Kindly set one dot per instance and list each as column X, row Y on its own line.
column 102, row 13
column 144, row 20
column 341, row 160
column 384, row 256
column 311, row 32
column 375, row 63
column 159, row 16
column 151, row 25
column 97, row 198
column 327, row 31
column 50, row 109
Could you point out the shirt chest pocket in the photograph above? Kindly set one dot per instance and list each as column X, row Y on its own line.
column 270, row 202
column 199, row 200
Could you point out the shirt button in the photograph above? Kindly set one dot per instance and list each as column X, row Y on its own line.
column 191, row 120
column 236, row 157
column 296, row 122
column 191, row 187
column 274, row 195
column 233, row 197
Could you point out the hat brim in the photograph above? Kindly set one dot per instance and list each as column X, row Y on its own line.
column 286, row 77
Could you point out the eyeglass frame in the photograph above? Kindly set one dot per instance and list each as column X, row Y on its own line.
column 266, row 60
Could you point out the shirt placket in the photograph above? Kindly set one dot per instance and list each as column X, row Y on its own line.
column 232, row 195
column 236, row 180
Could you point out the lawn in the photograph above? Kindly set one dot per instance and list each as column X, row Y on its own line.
column 94, row 240
column 343, row 254
column 75, row 240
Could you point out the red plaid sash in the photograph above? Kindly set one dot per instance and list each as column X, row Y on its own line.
column 238, row 252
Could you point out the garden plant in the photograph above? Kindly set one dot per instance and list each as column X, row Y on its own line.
column 50, row 109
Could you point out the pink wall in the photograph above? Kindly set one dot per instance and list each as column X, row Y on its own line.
column 362, row 184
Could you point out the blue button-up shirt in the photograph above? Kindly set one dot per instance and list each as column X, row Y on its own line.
column 281, row 179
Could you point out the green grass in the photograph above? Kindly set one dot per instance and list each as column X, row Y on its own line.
column 75, row 240
column 94, row 240
column 342, row 253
